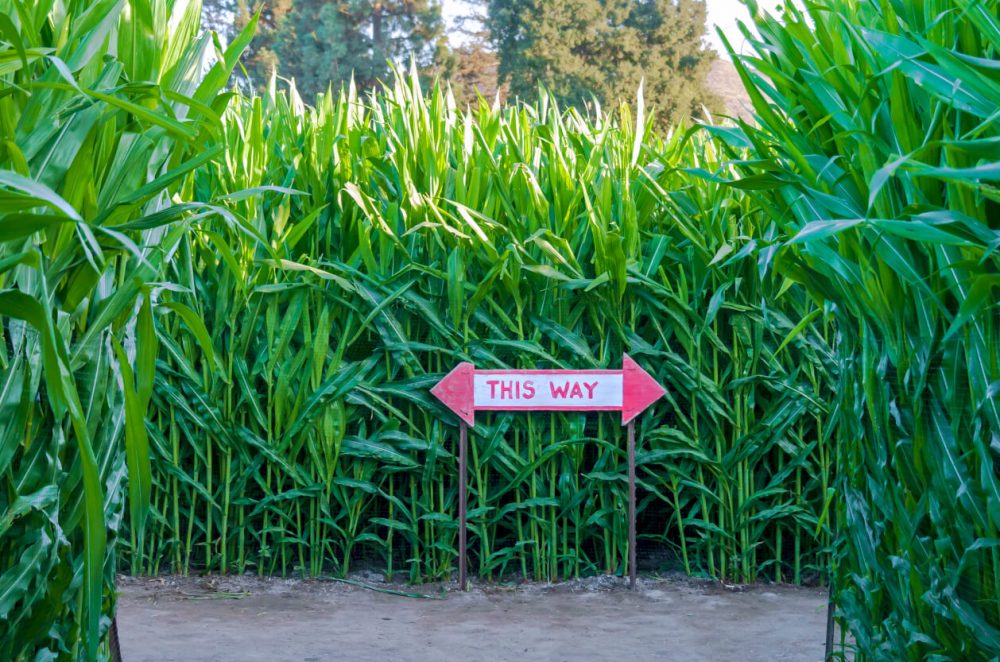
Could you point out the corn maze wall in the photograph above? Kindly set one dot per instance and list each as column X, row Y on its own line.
column 881, row 166
column 103, row 115
column 368, row 245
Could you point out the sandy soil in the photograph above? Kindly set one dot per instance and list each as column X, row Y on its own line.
column 245, row 618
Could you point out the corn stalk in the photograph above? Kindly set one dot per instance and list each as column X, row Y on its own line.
column 876, row 154
column 370, row 243
column 104, row 112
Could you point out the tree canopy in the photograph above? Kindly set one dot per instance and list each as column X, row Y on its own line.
column 586, row 50
column 581, row 50
column 322, row 43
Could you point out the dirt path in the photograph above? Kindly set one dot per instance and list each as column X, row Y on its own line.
column 253, row 619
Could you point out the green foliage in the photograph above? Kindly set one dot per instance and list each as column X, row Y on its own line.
column 816, row 291
column 587, row 50
column 103, row 114
column 295, row 433
column 877, row 152
column 323, row 44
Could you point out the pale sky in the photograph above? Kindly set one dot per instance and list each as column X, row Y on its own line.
column 724, row 13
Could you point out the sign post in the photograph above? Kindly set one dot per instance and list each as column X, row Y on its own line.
column 465, row 390
column 463, row 436
column 631, row 505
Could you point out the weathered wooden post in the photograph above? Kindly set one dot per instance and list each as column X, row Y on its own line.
column 629, row 390
column 631, row 505
column 463, row 436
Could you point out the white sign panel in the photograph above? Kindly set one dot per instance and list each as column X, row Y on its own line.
column 548, row 390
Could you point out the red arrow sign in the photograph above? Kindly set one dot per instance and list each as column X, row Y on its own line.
column 629, row 390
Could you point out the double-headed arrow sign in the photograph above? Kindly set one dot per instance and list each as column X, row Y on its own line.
column 629, row 390
column 465, row 389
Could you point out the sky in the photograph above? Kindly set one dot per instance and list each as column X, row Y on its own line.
column 724, row 13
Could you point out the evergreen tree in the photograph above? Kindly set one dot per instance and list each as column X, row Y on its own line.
column 601, row 49
column 319, row 43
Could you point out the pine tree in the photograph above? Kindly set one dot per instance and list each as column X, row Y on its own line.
column 585, row 50
column 324, row 43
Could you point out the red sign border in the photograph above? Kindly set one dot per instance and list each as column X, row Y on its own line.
column 457, row 390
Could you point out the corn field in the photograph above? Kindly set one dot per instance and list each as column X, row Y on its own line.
column 93, row 148
column 370, row 244
column 221, row 314
column 883, row 174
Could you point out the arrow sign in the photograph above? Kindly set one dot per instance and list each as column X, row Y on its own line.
column 630, row 390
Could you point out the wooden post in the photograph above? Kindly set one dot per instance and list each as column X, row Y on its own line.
column 462, row 439
column 113, row 644
column 631, row 505
column 828, row 655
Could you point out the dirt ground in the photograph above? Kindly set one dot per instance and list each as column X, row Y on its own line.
column 246, row 618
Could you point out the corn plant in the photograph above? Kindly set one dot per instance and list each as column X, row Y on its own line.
column 876, row 152
column 105, row 110
column 370, row 243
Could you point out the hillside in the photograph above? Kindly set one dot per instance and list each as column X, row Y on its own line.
column 725, row 83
